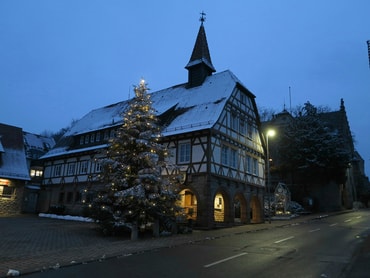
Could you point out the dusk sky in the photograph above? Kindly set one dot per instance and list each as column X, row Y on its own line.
column 61, row 59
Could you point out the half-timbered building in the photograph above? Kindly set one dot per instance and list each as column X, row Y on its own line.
column 212, row 129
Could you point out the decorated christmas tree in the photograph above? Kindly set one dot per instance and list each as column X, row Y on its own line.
column 136, row 193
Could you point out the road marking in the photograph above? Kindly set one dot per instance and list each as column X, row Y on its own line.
column 316, row 230
column 358, row 217
column 334, row 224
column 224, row 260
column 348, row 220
column 284, row 239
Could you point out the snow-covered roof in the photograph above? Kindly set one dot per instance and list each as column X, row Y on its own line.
column 14, row 163
column 38, row 142
column 65, row 149
column 201, row 106
column 99, row 119
column 189, row 109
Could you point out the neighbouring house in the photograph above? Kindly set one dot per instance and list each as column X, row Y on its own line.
column 35, row 146
column 211, row 127
column 20, row 169
column 321, row 195
column 14, row 173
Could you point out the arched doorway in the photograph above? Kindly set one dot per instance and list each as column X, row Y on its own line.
column 256, row 210
column 188, row 201
column 240, row 209
column 219, row 208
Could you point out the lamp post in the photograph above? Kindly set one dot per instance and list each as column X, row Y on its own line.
column 270, row 133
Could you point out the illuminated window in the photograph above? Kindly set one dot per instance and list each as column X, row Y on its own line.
column 36, row 173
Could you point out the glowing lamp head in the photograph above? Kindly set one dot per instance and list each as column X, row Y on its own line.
column 270, row 133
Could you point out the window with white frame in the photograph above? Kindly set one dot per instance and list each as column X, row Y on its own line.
column 98, row 167
column 71, row 168
column 224, row 155
column 184, row 152
column 242, row 98
column 242, row 126
column 250, row 129
column 234, row 121
column 83, row 166
column 255, row 166
column 249, row 164
column 57, row 170
column 233, row 158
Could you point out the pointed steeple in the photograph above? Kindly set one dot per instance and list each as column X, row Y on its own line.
column 200, row 64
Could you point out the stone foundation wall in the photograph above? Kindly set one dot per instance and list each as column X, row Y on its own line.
column 12, row 205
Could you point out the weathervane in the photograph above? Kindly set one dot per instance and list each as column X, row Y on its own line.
column 202, row 17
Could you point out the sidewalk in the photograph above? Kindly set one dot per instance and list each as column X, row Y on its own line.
column 30, row 244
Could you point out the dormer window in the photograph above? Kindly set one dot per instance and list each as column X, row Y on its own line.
column 87, row 138
column 82, row 138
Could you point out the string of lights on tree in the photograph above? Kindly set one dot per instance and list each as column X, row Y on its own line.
column 135, row 191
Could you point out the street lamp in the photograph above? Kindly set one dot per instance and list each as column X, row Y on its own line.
column 269, row 133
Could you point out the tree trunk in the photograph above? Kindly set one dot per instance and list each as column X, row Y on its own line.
column 134, row 231
column 156, row 228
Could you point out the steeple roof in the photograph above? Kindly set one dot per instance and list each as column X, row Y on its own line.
column 200, row 64
column 200, row 52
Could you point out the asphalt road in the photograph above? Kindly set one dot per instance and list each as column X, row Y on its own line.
column 321, row 248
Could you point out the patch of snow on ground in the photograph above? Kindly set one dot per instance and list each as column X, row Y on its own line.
column 66, row 217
